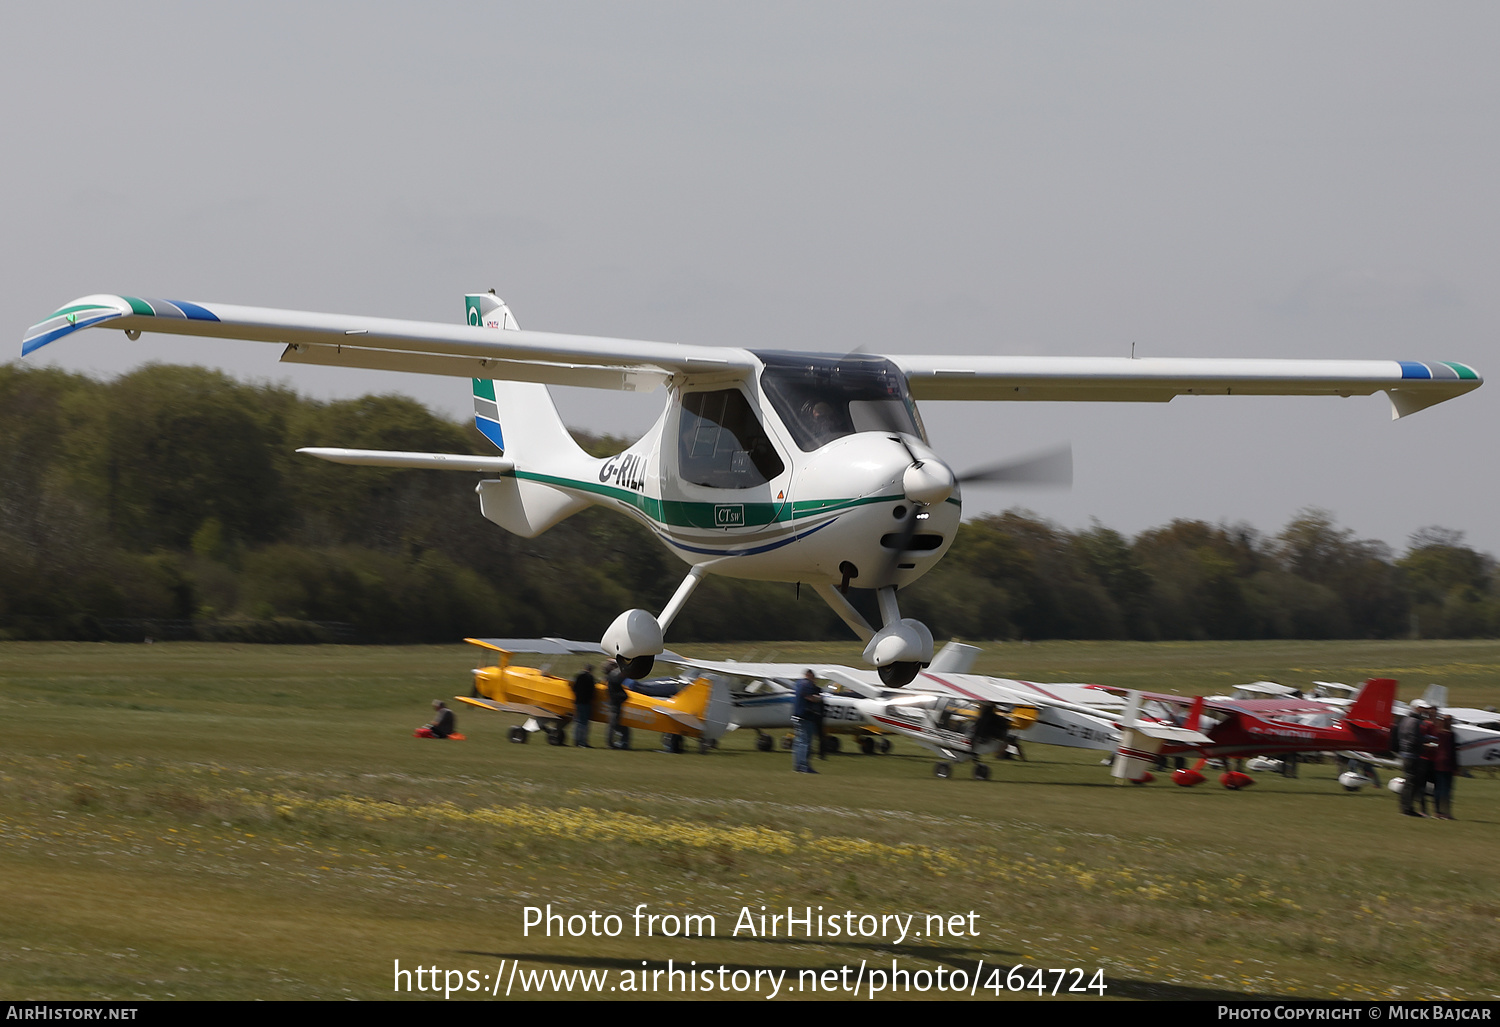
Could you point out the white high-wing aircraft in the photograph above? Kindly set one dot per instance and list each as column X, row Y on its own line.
column 764, row 464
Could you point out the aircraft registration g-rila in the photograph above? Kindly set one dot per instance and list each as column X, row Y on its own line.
column 764, row 464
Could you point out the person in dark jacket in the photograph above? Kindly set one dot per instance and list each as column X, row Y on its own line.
column 1444, row 765
column 1411, row 739
column 583, row 706
column 614, row 685
column 443, row 720
column 807, row 715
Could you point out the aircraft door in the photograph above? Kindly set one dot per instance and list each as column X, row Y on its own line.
column 729, row 476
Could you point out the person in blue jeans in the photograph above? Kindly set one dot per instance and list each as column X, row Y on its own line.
column 807, row 714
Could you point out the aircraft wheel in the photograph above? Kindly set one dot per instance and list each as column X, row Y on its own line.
column 519, row 735
column 981, row 772
column 867, row 745
column 555, row 736
column 637, row 668
column 894, row 675
column 764, row 743
column 942, row 770
column 672, row 743
column 885, row 745
column 829, row 743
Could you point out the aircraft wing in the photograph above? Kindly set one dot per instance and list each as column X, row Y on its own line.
column 555, row 647
column 347, row 340
column 539, row 712
column 1411, row 385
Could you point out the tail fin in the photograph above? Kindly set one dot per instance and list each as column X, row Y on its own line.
column 523, row 423
column 1436, row 694
column 1195, row 715
column 704, row 706
column 1372, row 707
column 955, row 658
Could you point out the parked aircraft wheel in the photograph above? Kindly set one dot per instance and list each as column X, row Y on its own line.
column 885, row 745
column 557, row 736
column 894, row 675
column 867, row 745
column 981, row 772
column 942, row 770
column 672, row 743
column 764, row 743
column 519, row 735
column 637, row 668
column 829, row 743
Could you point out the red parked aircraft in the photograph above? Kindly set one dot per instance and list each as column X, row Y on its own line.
column 1236, row 728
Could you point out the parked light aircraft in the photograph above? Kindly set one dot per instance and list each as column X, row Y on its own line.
column 700, row 710
column 943, row 710
column 1248, row 727
column 764, row 464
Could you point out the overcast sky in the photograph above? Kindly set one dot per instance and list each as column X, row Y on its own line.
column 1224, row 179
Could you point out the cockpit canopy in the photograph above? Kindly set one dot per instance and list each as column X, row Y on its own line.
column 821, row 398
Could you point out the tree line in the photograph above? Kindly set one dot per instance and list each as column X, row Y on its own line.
column 173, row 496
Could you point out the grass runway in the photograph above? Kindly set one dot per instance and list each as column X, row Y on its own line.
column 238, row 822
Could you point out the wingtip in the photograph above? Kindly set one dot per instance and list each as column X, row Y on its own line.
column 84, row 312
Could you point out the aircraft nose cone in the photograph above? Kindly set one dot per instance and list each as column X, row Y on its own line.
column 928, row 482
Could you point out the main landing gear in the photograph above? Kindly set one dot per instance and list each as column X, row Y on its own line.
column 899, row 650
column 945, row 770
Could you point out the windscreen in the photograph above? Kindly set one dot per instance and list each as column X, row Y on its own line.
column 821, row 398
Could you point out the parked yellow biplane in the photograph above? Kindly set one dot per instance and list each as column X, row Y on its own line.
column 701, row 710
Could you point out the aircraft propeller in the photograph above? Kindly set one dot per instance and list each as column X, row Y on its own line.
column 930, row 481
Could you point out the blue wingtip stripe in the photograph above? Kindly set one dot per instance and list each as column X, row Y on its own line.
column 194, row 311
column 34, row 344
column 1414, row 369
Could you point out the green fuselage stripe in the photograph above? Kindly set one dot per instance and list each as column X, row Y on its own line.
column 675, row 513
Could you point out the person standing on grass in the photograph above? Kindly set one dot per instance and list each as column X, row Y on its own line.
column 583, row 706
column 1444, row 764
column 1410, row 742
column 807, row 715
column 614, row 685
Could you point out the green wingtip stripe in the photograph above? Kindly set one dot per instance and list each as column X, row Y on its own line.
column 78, row 308
column 1462, row 370
column 139, row 306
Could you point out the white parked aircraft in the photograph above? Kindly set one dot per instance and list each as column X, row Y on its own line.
column 764, row 464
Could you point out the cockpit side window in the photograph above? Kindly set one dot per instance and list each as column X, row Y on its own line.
column 721, row 443
column 821, row 398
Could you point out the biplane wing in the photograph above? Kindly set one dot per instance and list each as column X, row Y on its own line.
column 525, row 710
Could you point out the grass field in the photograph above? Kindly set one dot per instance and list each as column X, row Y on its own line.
column 201, row 821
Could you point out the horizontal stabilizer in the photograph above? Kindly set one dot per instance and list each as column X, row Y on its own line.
column 1168, row 733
